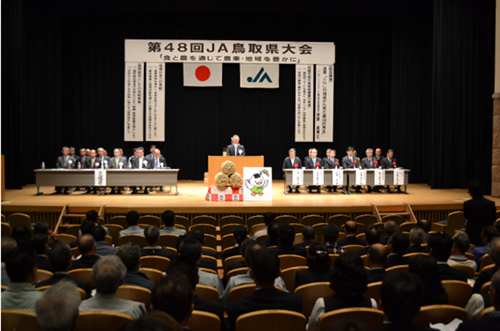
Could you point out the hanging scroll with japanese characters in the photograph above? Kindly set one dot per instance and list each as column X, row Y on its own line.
column 134, row 103
column 304, row 111
column 155, row 102
column 324, row 104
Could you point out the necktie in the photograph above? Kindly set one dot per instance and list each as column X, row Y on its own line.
column 116, row 163
column 83, row 162
column 156, row 165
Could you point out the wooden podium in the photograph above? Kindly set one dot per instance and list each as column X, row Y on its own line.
column 215, row 162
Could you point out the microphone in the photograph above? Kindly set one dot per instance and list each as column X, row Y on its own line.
column 317, row 165
column 394, row 164
column 295, row 165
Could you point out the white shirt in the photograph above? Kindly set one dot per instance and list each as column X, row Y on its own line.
column 140, row 163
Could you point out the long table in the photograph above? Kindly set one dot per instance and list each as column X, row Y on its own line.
column 348, row 175
column 114, row 177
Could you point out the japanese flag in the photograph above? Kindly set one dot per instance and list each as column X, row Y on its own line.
column 202, row 74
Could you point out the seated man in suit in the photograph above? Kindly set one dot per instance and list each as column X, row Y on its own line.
column 401, row 296
column 130, row 255
column 57, row 309
column 117, row 162
column 61, row 260
column 368, row 162
column 65, row 162
column 377, row 258
column 240, row 235
column 151, row 151
column 268, row 218
column 8, row 246
column 461, row 244
column 87, row 247
column 152, row 234
column 350, row 161
column 397, row 246
column 372, row 236
column 92, row 163
column 273, row 232
column 204, row 263
column 478, row 211
column 132, row 221
column 313, row 162
column 425, row 225
column 320, row 266
column 140, row 162
column 264, row 269
column 22, row 271
column 235, row 149
column 102, row 246
column 330, row 236
column 292, row 162
column 350, row 229
column 485, row 276
column 102, row 159
column 108, row 274
column 390, row 163
column 286, row 237
column 168, row 219
column 487, row 234
column 83, row 160
column 159, row 162
column 309, row 234
column 390, row 228
column 40, row 243
column 440, row 245
column 417, row 237
column 331, row 162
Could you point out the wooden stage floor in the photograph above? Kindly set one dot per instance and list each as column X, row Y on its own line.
column 191, row 199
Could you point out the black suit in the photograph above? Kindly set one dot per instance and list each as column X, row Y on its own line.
column 417, row 249
column 161, row 160
column 235, row 251
column 85, row 261
column 287, row 164
column 376, row 275
column 311, row 164
column 399, row 327
column 367, row 163
column 230, row 151
column 484, row 277
column 351, row 240
column 103, row 161
column 64, row 162
column 85, row 162
column 295, row 250
column 60, row 276
column 479, row 213
column 492, row 323
column 208, row 265
column 210, row 306
column 44, row 263
column 305, row 244
column 267, row 298
column 157, row 252
column 396, row 259
column 449, row 273
column 348, row 164
column 308, row 276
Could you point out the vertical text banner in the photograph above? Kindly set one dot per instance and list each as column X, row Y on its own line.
column 155, row 102
column 324, row 103
column 304, row 116
column 134, row 110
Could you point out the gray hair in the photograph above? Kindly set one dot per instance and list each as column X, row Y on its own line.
column 152, row 234
column 57, row 307
column 369, row 150
column 494, row 250
column 235, row 136
column 100, row 149
column 292, row 150
column 461, row 241
column 130, row 254
column 312, row 149
column 418, row 235
column 108, row 273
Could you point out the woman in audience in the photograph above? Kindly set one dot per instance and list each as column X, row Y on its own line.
column 425, row 268
column 348, row 282
column 319, row 266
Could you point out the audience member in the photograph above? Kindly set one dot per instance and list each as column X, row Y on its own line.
column 264, row 269
column 132, row 221
column 373, row 234
column 268, row 218
column 152, row 235
column 427, row 270
column 102, row 246
column 487, row 234
column 130, row 255
column 168, row 219
column 240, row 264
column 479, row 212
column 425, row 225
column 330, row 236
column 57, row 309
column 8, row 246
column 478, row 302
column 348, row 283
column 273, row 231
column 61, row 260
column 350, row 229
column 308, row 234
column 485, row 276
column 152, row 321
column 319, row 263
column 200, row 236
column 397, row 246
column 40, row 243
column 21, row 234
column 174, row 296
column 390, row 228
column 22, row 271
column 87, row 227
column 417, row 237
column 43, row 228
column 108, row 274
column 87, row 247
column 348, row 324
column 440, row 245
column 461, row 244
column 286, row 237
column 377, row 258
column 240, row 235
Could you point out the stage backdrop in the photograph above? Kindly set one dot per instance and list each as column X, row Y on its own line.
column 415, row 76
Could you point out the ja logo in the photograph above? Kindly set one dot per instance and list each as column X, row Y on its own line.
column 259, row 75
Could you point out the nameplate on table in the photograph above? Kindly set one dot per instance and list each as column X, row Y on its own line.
column 318, row 177
column 297, row 177
column 337, row 177
column 100, row 177
column 379, row 177
column 360, row 177
column 399, row 177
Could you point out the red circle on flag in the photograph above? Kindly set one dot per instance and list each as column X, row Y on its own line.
column 202, row 73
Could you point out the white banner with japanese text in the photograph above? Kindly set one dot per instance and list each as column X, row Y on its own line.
column 324, row 103
column 297, row 177
column 259, row 75
column 99, row 177
column 134, row 109
column 318, row 177
column 360, row 177
column 229, row 51
column 304, row 112
column 337, row 177
column 155, row 102
column 379, row 177
column 399, row 177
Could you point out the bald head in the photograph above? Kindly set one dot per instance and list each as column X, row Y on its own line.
column 86, row 244
column 350, row 227
column 377, row 256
